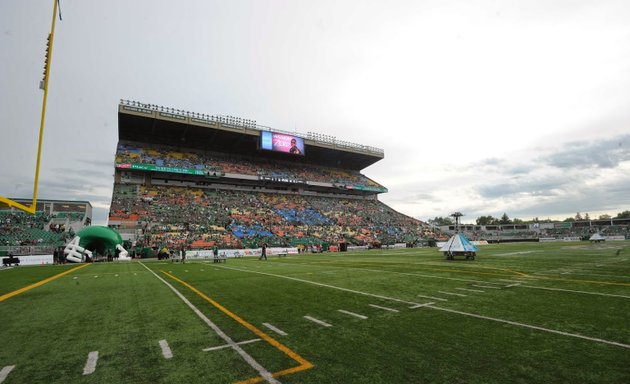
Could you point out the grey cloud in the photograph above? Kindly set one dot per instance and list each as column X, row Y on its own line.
column 606, row 153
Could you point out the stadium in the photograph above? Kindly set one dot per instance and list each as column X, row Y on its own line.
column 240, row 253
column 187, row 179
column 349, row 290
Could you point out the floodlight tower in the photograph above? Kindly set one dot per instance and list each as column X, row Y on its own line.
column 457, row 215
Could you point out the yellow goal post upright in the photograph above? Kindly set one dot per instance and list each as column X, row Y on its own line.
column 44, row 85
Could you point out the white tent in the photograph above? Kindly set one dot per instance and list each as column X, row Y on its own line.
column 458, row 243
column 597, row 237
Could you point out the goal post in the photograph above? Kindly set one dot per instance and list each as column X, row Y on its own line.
column 44, row 86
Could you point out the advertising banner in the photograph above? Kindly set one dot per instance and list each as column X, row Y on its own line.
column 156, row 168
column 207, row 254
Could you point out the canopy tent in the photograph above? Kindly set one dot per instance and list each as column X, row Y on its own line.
column 458, row 244
column 597, row 237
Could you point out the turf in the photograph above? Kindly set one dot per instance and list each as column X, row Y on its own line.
column 520, row 313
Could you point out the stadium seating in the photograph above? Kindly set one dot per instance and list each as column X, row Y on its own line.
column 175, row 215
column 128, row 153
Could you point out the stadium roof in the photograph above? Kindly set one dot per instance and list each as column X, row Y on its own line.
column 150, row 123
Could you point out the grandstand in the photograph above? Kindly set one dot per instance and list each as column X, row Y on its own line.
column 53, row 223
column 189, row 179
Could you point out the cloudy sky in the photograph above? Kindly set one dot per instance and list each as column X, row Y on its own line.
column 483, row 107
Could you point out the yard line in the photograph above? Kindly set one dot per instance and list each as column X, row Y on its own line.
column 352, row 314
column 531, row 326
column 275, row 329
column 228, row 345
column 453, row 293
column 247, row 357
column 5, row 372
column 574, row 291
column 383, row 308
column 42, row 282
column 485, row 286
column 403, row 273
column 314, row 320
column 166, row 350
column 90, row 364
column 510, row 281
column 421, row 305
column 513, row 285
column 327, row 286
column 470, row 290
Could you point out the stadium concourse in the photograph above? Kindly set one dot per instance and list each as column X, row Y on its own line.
column 191, row 180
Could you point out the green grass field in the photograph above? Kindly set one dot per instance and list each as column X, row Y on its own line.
column 520, row 313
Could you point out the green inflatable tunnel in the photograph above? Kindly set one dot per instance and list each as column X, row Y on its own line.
column 95, row 240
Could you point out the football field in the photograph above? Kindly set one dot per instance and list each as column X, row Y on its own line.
column 520, row 313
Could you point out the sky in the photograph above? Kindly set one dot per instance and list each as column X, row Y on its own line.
column 484, row 107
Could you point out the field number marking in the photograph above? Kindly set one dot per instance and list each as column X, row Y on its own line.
column 5, row 372
column 352, row 314
column 383, row 308
column 90, row 364
column 470, row 290
column 166, row 350
column 317, row 321
column 275, row 329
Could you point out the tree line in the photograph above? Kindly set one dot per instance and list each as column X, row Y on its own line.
column 505, row 219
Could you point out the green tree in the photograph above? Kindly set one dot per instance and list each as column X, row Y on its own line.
column 517, row 221
column 578, row 216
column 604, row 217
column 586, row 216
column 440, row 221
column 505, row 219
column 624, row 215
column 487, row 220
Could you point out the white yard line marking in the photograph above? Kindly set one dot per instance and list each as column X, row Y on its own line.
column 352, row 314
column 470, row 290
column 532, row 327
column 383, row 308
column 432, row 298
column 247, row 357
column 421, row 305
column 166, row 350
column 573, row 291
column 513, row 285
column 228, row 345
column 485, row 286
column 5, row 372
column 509, row 281
column 330, row 286
column 314, row 320
column 90, row 364
column 453, row 293
column 403, row 273
column 275, row 329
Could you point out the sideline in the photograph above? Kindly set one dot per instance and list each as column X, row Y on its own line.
column 35, row 285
